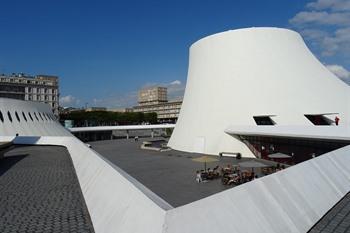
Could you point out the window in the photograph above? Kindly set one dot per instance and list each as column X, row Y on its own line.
column 318, row 119
column 1, row 117
column 41, row 116
column 19, row 120
column 263, row 120
column 36, row 116
column 24, row 116
column 45, row 116
column 9, row 116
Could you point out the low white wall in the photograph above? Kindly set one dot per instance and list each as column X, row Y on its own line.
column 292, row 200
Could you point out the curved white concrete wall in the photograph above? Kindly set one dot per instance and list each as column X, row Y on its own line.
column 238, row 74
column 38, row 121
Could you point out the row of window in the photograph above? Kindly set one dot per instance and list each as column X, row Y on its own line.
column 18, row 80
column 39, row 97
column 29, row 116
column 315, row 119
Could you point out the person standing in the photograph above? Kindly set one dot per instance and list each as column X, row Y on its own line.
column 198, row 177
column 336, row 120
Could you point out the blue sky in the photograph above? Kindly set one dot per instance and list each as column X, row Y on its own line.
column 104, row 51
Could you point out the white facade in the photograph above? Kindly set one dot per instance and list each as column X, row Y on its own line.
column 236, row 75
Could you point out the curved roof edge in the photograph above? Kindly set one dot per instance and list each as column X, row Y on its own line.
column 250, row 29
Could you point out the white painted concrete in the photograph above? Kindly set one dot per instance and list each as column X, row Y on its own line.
column 121, row 127
column 339, row 133
column 238, row 74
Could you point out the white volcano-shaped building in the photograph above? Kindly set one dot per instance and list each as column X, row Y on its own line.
column 249, row 76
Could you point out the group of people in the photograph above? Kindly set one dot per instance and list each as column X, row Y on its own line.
column 229, row 175
column 234, row 175
column 208, row 174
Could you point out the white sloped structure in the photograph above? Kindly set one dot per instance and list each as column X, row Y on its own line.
column 236, row 75
column 292, row 200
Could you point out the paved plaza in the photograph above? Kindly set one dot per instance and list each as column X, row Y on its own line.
column 169, row 174
column 39, row 192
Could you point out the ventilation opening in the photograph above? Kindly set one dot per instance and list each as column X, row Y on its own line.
column 24, row 116
column 30, row 115
column 19, row 120
column 264, row 120
column 9, row 115
column 318, row 119
column 36, row 117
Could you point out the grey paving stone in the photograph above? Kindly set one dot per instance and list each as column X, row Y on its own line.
column 169, row 174
column 337, row 220
column 39, row 192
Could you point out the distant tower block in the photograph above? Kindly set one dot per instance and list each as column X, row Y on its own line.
column 153, row 95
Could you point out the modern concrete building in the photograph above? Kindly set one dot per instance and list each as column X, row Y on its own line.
column 153, row 95
column 39, row 88
column 166, row 112
column 155, row 99
column 256, row 81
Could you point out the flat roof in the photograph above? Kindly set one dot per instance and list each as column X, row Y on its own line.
column 169, row 174
column 40, row 192
column 324, row 132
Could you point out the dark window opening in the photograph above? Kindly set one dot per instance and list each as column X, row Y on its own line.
column 318, row 119
column 30, row 115
column 41, row 116
column 9, row 116
column 36, row 116
column 19, row 120
column 263, row 120
column 24, row 116
column 1, row 117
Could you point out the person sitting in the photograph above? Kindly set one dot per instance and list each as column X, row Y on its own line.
column 235, row 179
column 204, row 175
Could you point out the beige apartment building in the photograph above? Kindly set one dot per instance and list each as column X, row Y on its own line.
column 41, row 88
column 153, row 95
column 155, row 99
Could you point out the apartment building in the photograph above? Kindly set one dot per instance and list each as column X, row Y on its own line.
column 40, row 88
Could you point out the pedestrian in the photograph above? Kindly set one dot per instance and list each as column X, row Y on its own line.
column 198, row 177
column 336, row 120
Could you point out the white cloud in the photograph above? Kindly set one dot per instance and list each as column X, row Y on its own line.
column 321, row 18
column 340, row 71
column 338, row 42
column 176, row 82
column 325, row 24
column 69, row 100
column 334, row 5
